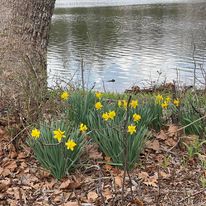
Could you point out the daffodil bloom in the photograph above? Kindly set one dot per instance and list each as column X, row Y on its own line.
column 136, row 117
column 131, row 129
column 98, row 105
column 159, row 98
column 58, row 134
column 164, row 105
column 134, row 104
column 65, row 95
column 176, row 102
column 105, row 116
column 35, row 133
column 83, row 128
column 70, row 144
column 112, row 114
column 124, row 104
column 167, row 99
column 98, row 95
column 119, row 103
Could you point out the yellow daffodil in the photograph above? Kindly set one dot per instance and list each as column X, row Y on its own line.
column 83, row 128
column 98, row 95
column 136, row 117
column 124, row 104
column 119, row 103
column 70, row 144
column 167, row 99
column 134, row 104
column 131, row 129
column 105, row 116
column 35, row 133
column 159, row 98
column 164, row 105
column 58, row 134
column 112, row 114
column 98, row 105
column 176, row 102
column 65, row 95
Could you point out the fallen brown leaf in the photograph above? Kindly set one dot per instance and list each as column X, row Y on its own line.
column 107, row 193
column 170, row 142
column 162, row 135
column 92, row 196
column 149, row 180
column 2, row 132
column 65, row 184
column 137, row 202
column 172, row 130
column 108, row 167
column 118, row 181
column 143, row 176
column 93, row 152
column 153, row 144
column 49, row 185
column 75, row 184
column 11, row 165
column 4, row 184
column 164, row 175
column 6, row 172
column 22, row 155
column 152, row 181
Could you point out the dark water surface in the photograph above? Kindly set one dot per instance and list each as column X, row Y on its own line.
column 131, row 44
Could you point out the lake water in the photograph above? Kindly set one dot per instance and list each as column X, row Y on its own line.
column 134, row 45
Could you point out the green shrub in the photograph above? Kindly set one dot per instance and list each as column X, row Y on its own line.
column 188, row 114
column 57, row 147
column 109, row 131
column 79, row 107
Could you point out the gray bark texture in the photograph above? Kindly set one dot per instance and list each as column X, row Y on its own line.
column 24, row 30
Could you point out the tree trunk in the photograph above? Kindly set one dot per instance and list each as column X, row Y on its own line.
column 24, row 29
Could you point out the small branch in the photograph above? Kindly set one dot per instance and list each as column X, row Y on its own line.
column 17, row 135
column 77, row 197
column 159, row 191
column 82, row 74
column 125, row 150
column 188, row 125
column 194, row 194
column 20, row 197
column 100, row 187
column 103, row 86
column 196, row 110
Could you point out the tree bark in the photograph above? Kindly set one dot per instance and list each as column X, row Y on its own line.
column 24, row 31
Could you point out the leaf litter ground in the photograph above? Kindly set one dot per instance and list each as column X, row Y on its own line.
column 165, row 176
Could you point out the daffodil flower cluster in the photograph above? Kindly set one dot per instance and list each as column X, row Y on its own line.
column 109, row 115
column 58, row 135
column 164, row 102
column 83, row 127
column 123, row 103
